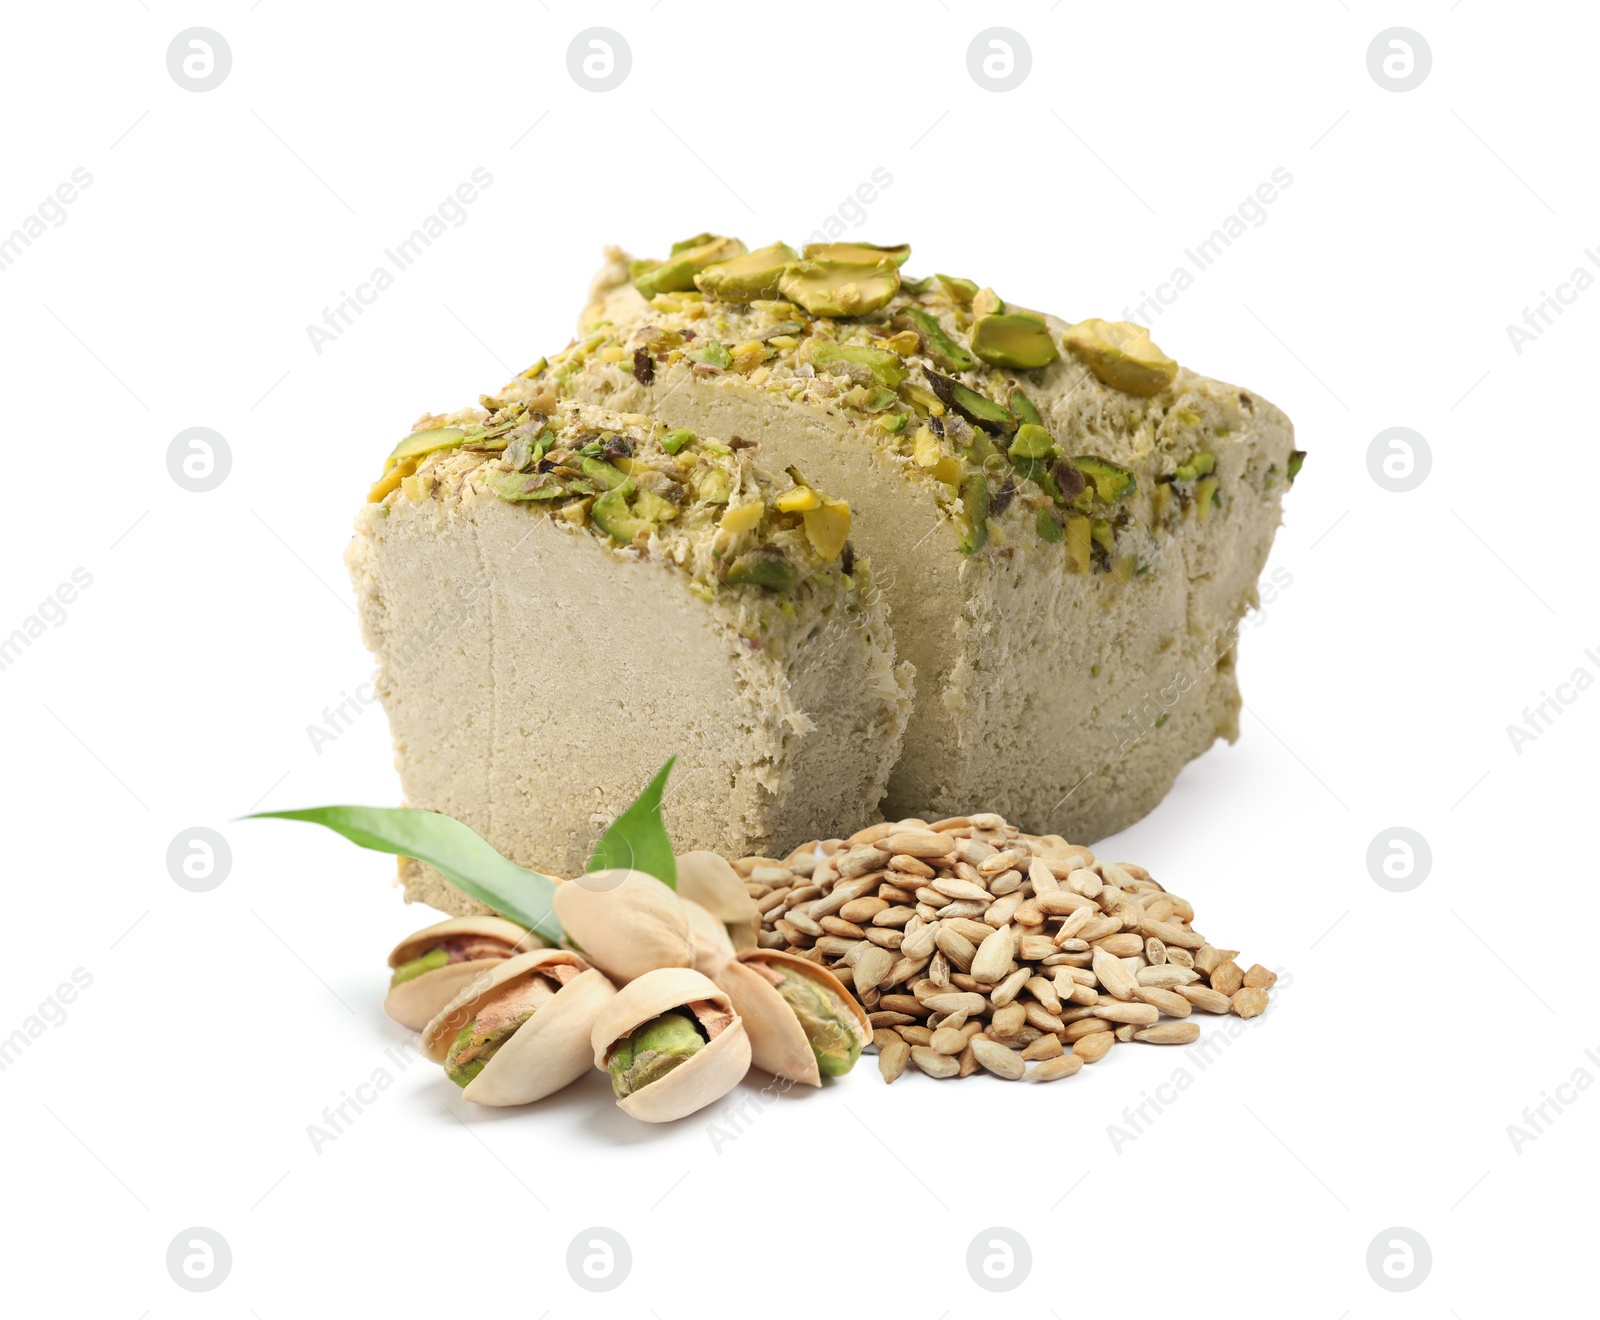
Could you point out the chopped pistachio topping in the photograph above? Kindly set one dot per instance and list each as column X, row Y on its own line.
column 656, row 493
column 938, row 372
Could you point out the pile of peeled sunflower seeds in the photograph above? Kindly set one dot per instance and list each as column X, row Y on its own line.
column 972, row 945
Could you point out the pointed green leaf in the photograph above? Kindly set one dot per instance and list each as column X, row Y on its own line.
column 453, row 850
column 638, row 838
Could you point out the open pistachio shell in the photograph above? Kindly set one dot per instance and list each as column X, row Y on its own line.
column 779, row 1044
column 713, row 950
column 705, row 1076
column 548, row 1051
column 626, row 922
column 414, row 1001
column 708, row 880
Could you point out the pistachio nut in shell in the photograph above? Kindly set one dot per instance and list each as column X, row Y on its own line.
column 522, row 1031
column 713, row 950
column 432, row 966
column 625, row 922
column 671, row 1043
column 708, row 880
column 802, row 1022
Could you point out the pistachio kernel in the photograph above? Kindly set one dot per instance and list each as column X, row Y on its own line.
column 840, row 288
column 747, row 277
column 881, row 366
column 941, row 347
column 1121, row 355
column 959, row 290
column 976, row 408
column 862, row 253
column 431, row 961
column 975, row 501
column 986, row 302
column 651, row 1051
column 832, row 1030
column 1111, row 482
column 1016, row 340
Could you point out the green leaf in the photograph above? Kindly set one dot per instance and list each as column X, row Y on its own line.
column 638, row 838
column 453, row 850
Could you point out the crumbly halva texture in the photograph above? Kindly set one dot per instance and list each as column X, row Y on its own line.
column 1067, row 524
column 559, row 598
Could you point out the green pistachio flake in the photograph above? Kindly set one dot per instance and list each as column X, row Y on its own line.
column 986, row 302
column 667, row 277
column 941, row 347
column 419, row 443
column 1032, row 451
column 428, row 962
column 976, row 408
column 764, row 568
column 960, row 290
column 676, row 439
column 885, row 367
column 1296, row 462
column 975, row 500
column 1048, row 525
column 862, row 253
column 1022, row 405
column 840, row 288
column 602, row 473
column 1018, row 341
column 613, row 516
column 748, row 277
column 538, row 486
column 713, row 354
column 1110, row 482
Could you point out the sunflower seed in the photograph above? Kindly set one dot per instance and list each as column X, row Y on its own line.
column 933, row 1063
column 1053, row 1069
column 1170, row 1033
column 1094, row 1047
column 998, row 1059
column 1114, row 975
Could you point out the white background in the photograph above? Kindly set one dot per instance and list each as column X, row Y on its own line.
column 178, row 689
